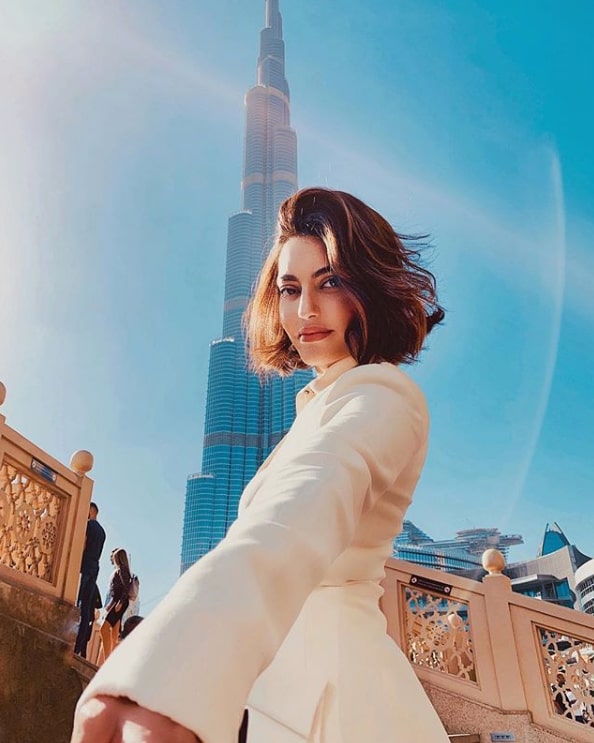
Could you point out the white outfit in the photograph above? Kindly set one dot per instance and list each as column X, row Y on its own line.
column 283, row 615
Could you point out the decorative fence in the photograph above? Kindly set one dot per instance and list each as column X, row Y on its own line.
column 44, row 507
column 483, row 642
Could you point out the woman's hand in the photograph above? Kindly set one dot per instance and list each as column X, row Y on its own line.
column 106, row 719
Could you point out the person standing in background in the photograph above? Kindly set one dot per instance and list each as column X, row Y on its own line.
column 89, row 571
column 117, row 602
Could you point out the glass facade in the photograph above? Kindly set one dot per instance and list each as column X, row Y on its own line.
column 437, row 559
column 554, row 539
column 246, row 418
column 546, row 588
column 451, row 555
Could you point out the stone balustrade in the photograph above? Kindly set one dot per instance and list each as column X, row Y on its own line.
column 44, row 507
column 491, row 658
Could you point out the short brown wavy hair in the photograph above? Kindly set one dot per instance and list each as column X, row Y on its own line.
column 394, row 297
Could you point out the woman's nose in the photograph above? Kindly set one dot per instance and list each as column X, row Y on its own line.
column 307, row 305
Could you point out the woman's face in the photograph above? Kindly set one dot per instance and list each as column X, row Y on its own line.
column 315, row 311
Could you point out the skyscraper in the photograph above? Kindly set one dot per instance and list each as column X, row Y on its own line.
column 246, row 418
column 463, row 552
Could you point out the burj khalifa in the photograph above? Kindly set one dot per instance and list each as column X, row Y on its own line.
column 246, row 417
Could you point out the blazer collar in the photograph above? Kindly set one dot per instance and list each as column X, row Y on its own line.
column 322, row 381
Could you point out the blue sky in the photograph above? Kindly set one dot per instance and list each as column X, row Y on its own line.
column 121, row 128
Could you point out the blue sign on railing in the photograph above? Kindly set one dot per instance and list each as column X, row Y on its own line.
column 42, row 469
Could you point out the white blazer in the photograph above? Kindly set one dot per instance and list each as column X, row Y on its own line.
column 283, row 615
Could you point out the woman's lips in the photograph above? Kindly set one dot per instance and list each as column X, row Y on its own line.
column 309, row 336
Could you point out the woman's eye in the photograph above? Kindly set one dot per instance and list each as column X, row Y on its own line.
column 332, row 282
column 287, row 291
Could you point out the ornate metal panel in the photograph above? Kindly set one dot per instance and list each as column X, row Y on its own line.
column 438, row 633
column 30, row 521
column 568, row 663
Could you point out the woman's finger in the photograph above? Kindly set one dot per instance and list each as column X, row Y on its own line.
column 115, row 720
column 93, row 722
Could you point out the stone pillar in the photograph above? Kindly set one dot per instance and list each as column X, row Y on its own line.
column 501, row 632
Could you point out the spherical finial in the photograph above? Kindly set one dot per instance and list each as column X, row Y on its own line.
column 2, row 393
column 81, row 462
column 493, row 562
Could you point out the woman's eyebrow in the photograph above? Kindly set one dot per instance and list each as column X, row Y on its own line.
column 316, row 274
column 322, row 272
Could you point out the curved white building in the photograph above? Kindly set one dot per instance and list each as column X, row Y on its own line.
column 584, row 586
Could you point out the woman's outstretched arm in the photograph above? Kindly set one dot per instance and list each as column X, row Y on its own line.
column 197, row 655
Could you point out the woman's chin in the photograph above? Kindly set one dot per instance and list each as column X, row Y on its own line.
column 313, row 360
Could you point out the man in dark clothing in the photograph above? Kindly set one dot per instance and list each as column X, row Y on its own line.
column 565, row 701
column 89, row 570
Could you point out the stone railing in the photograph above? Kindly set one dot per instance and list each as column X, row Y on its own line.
column 511, row 656
column 44, row 507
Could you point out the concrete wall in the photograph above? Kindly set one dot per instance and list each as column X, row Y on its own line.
column 38, row 687
column 462, row 715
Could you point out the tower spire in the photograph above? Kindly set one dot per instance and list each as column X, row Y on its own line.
column 273, row 18
column 271, row 62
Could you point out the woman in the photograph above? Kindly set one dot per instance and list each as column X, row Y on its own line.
column 118, row 601
column 283, row 615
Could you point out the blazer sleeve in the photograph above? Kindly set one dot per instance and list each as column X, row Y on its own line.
column 197, row 655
